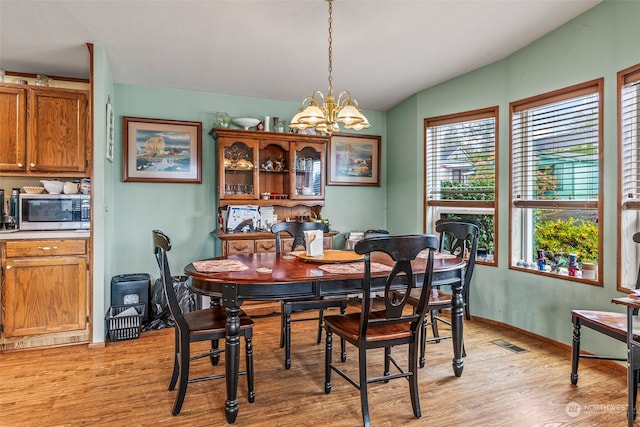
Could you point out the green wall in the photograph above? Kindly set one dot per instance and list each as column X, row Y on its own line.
column 126, row 212
column 596, row 44
column 102, row 194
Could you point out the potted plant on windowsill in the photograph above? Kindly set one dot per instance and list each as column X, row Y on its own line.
column 589, row 270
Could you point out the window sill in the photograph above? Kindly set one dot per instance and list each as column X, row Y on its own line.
column 562, row 275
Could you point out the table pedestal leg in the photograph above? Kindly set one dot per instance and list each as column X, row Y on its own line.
column 633, row 359
column 457, row 313
column 232, row 362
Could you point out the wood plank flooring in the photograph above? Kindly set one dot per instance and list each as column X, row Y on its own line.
column 125, row 384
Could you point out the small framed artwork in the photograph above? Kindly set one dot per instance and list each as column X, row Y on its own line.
column 157, row 150
column 110, row 131
column 354, row 160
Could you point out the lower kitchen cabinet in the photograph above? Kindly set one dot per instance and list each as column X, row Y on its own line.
column 44, row 293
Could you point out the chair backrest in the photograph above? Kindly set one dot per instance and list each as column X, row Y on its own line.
column 636, row 238
column 162, row 245
column 402, row 250
column 296, row 230
column 457, row 236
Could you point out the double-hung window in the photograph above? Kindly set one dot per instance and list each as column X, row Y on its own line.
column 460, row 173
column 556, row 177
column 629, row 180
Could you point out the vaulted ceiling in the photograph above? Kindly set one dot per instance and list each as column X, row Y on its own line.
column 383, row 50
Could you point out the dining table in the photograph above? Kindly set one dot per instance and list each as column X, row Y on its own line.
column 268, row 276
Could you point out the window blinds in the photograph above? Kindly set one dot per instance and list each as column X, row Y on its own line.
column 630, row 110
column 555, row 149
column 460, row 157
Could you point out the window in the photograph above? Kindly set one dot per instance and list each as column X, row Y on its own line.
column 555, row 182
column 460, row 176
column 629, row 181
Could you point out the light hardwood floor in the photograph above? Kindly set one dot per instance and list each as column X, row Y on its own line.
column 125, row 384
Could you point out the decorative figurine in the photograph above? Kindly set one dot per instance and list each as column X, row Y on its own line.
column 278, row 164
column 573, row 265
column 542, row 262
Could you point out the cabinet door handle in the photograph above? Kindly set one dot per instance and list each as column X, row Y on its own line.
column 8, row 267
column 32, row 165
column 47, row 248
column 20, row 165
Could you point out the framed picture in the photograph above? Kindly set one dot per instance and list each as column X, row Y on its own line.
column 354, row 160
column 110, row 131
column 156, row 150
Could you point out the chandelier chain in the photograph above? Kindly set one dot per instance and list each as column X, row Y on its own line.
column 330, row 45
column 324, row 113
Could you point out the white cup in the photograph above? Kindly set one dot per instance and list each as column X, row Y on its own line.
column 70, row 188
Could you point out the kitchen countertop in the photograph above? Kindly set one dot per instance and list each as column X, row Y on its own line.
column 55, row 234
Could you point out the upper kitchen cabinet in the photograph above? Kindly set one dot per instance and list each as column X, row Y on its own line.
column 56, row 141
column 13, row 129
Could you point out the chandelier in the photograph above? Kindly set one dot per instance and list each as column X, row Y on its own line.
column 324, row 113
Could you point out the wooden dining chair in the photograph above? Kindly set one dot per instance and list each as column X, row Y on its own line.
column 457, row 237
column 395, row 325
column 195, row 326
column 611, row 324
column 290, row 306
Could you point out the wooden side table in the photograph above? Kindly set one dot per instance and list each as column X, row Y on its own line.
column 633, row 357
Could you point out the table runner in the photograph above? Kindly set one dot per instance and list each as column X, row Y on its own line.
column 219, row 265
column 353, row 268
column 437, row 255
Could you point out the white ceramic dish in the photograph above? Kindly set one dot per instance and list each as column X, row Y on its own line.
column 246, row 122
column 53, row 186
column 263, row 270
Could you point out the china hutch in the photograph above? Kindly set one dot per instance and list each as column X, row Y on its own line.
column 282, row 174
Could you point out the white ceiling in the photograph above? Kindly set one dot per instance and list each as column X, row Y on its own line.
column 383, row 50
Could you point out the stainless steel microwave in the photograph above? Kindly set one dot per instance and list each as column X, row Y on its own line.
column 54, row 212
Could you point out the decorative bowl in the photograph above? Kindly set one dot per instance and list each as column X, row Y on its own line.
column 246, row 122
column 33, row 190
column 53, row 186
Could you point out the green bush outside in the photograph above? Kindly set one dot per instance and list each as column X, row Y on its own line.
column 568, row 236
column 478, row 189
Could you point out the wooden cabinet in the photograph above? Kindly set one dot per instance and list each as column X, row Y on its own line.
column 44, row 293
column 13, row 129
column 267, row 168
column 308, row 169
column 282, row 170
column 44, row 132
column 238, row 178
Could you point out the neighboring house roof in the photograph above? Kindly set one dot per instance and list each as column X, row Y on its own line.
column 456, row 159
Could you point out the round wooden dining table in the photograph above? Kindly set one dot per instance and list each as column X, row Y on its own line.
column 270, row 277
